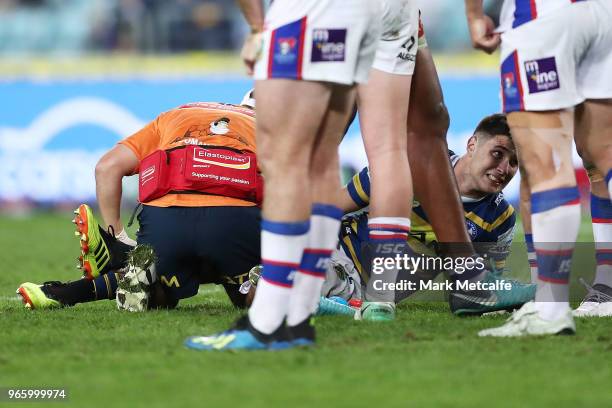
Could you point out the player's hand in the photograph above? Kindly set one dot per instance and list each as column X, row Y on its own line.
column 251, row 50
column 483, row 35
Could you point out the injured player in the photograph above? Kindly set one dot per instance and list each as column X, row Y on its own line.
column 482, row 173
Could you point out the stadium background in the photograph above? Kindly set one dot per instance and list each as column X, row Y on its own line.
column 76, row 76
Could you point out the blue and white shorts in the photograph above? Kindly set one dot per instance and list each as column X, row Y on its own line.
column 320, row 40
column 558, row 60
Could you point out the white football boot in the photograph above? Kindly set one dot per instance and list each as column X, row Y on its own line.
column 527, row 322
column 597, row 302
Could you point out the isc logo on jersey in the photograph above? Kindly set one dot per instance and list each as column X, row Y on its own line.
column 328, row 45
column 542, row 75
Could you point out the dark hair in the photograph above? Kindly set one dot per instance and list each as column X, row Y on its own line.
column 496, row 124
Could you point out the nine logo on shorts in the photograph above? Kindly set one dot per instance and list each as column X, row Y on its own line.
column 328, row 45
column 542, row 75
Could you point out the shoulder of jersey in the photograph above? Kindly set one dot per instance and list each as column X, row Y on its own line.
column 219, row 106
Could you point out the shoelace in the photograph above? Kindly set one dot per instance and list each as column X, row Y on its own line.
column 594, row 295
column 111, row 231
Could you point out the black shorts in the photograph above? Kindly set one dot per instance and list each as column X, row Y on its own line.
column 196, row 245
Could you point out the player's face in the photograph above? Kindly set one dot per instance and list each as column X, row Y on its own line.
column 494, row 163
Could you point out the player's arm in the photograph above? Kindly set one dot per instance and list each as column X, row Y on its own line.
column 119, row 162
column 481, row 26
column 356, row 194
column 253, row 11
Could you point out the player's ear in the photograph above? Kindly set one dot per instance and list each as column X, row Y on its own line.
column 471, row 144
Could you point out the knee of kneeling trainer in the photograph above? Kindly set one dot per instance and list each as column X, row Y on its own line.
column 160, row 299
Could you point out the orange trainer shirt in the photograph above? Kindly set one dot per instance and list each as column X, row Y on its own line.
column 201, row 123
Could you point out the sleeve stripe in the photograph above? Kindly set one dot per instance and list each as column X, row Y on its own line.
column 359, row 188
column 490, row 226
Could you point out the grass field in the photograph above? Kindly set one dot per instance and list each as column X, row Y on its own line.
column 425, row 358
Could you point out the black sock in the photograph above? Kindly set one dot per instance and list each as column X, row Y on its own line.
column 84, row 290
column 105, row 286
column 71, row 293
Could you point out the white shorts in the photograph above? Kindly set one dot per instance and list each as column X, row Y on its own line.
column 397, row 48
column 559, row 60
column 319, row 40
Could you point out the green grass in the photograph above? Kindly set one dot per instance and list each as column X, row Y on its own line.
column 425, row 358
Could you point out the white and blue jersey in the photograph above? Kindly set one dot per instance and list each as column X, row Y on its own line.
column 517, row 12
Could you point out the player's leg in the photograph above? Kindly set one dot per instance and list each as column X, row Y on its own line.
column 540, row 90
column 102, row 254
column 543, row 141
column 590, row 126
column 435, row 185
column 230, row 247
column 525, row 209
column 325, row 186
column 101, row 251
column 58, row 294
column 289, row 114
column 428, row 153
column 301, row 107
column 594, row 82
column 162, row 270
column 594, row 118
column 316, row 51
column 383, row 108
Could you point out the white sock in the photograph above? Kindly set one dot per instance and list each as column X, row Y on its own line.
column 282, row 244
column 124, row 237
column 388, row 229
column 601, row 214
column 322, row 239
column 385, row 230
column 555, row 220
column 532, row 258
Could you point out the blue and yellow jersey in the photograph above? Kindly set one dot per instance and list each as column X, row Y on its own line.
column 490, row 223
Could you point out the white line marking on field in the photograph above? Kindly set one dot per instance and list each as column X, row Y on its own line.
column 15, row 298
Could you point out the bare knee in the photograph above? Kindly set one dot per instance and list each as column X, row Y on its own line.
column 275, row 159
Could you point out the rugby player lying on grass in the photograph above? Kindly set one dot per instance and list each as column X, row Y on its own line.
column 192, row 230
column 487, row 167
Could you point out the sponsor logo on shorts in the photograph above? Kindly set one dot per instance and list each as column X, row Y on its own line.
column 173, row 281
column 509, row 84
column 405, row 54
column 542, row 75
column 286, row 50
column 328, row 45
